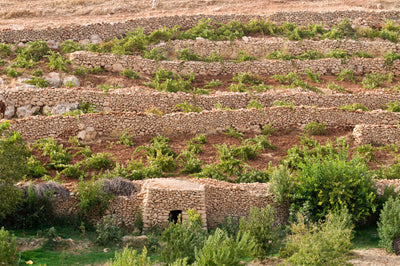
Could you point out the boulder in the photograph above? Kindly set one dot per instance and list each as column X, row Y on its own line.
column 88, row 134
column 27, row 110
column 61, row 108
column 54, row 79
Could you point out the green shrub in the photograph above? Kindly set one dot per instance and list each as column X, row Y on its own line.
column 230, row 226
column 14, row 155
column 259, row 226
column 342, row 30
column 231, row 132
column 315, row 128
column 59, row 158
column 238, row 87
column 268, row 129
column 57, row 61
column 389, row 223
column 11, row 72
column 156, row 54
column 246, row 78
column 37, row 72
column 326, row 243
column 338, row 53
column 69, row 46
column 366, row 152
column 108, row 231
column 282, row 186
column 253, row 176
column 130, row 74
column 181, row 239
column 310, row 55
column 330, row 183
column 213, row 83
column 187, row 107
column 363, row 54
column 34, row 50
column 353, row 107
column 242, row 57
column 284, row 103
column 98, row 161
column 35, row 167
column 93, row 201
column 346, row 75
column 73, row 171
column 280, row 55
column 388, row 35
column 9, row 254
column 130, row 257
column 393, row 106
column 221, row 249
column 190, row 162
column 187, row 55
column 391, row 57
column 165, row 162
column 107, row 87
column 373, row 80
column 5, row 50
column 38, row 82
column 262, row 87
column 255, row 104
column 336, row 87
column 313, row 77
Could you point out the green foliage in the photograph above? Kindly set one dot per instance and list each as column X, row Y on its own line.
column 73, row 171
column 366, row 152
column 231, row 132
column 129, row 73
column 14, row 155
column 338, row 53
column 363, row 54
column 246, row 78
column 83, row 108
column 37, row 72
column 9, row 254
column 313, row 77
column 11, row 72
column 282, row 185
column 5, row 50
column 389, row 223
column 284, row 103
column 253, row 176
column 106, row 87
column 170, row 82
column 336, row 87
column 315, row 128
column 156, row 54
column 98, row 161
column 262, row 87
column 393, row 106
column 190, row 162
column 130, row 257
column 242, row 57
column 187, row 55
column 325, row 243
column 280, row 55
column 373, row 80
column 34, row 50
column 346, row 75
column 331, row 183
column 69, row 46
column 342, row 30
column 181, row 239
column 259, row 226
column 35, row 167
column 230, row 226
column 38, row 82
column 353, row 107
column 194, row 145
column 293, row 80
column 221, row 249
column 125, row 139
column 108, row 231
column 238, row 87
column 187, row 107
column 213, row 83
column 93, row 201
column 59, row 158
column 255, row 104
column 268, row 129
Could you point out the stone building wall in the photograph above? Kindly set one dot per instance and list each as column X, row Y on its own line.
column 324, row 66
column 110, row 30
column 138, row 124
column 57, row 100
column 378, row 135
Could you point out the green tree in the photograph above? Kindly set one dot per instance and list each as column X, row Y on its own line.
column 14, row 156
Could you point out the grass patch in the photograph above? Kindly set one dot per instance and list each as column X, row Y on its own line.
column 365, row 238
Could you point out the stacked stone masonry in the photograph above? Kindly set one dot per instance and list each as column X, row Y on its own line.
column 261, row 47
column 139, row 124
column 156, row 198
column 110, row 30
column 115, row 63
column 139, row 99
column 377, row 135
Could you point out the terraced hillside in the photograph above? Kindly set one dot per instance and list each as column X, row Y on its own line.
column 233, row 98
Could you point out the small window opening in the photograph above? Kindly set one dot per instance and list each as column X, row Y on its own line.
column 175, row 216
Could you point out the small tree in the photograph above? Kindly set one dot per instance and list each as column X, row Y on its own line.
column 8, row 248
column 389, row 224
column 14, row 156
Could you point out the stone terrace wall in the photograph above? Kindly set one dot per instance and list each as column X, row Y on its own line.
column 142, row 99
column 109, row 30
column 378, row 135
column 226, row 199
column 116, row 63
column 114, row 123
column 261, row 47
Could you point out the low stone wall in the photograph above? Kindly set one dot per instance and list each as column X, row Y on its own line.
column 117, row 29
column 116, row 63
column 59, row 100
column 377, row 135
column 138, row 124
column 261, row 47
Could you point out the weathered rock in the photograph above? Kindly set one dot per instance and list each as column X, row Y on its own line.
column 54, row 79
column 27, row 110
column 70, row 80
column 88, row 134
column 61, row 108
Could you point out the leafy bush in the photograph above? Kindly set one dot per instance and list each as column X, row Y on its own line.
column 242, row 57
column 373, row 80
column 325, row 243
column 336, row 87
column 187, row 107
column 57, row 61
column 73, row 171
column 108, row 231
column 213, row 83
column 187, row 55
column 156, row 54
column 231, row 132
column 69, row 46
column 393, row 106
column 315, row 128
column 389, row 223
column 282, row 186
column 246, row 78
column 92, row 198
column 255, row 104
column 38, row 82
column 14, row 155
column 98, row 161
column 268, row 129
column 284, row 103
column 330, row 183
column 253, row 176
column 130, row 257
column 353, row 107
column 190, row 162
column 9, row 254
column 59, row 158
column 11, row 72
column 129, row 73
column 181, row 239
column 313, row 77
column 338, row 53
column 221, row 249
column 259, row 226
column 125, row 139
column 346, row 75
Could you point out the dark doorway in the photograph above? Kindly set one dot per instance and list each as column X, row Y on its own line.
column 175, row 216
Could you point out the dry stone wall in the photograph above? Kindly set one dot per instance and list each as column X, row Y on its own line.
column 377, row 135
column 324, row 66
column 110, row 30
column 138, row 124
column 139, row 99
column 261, row 47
